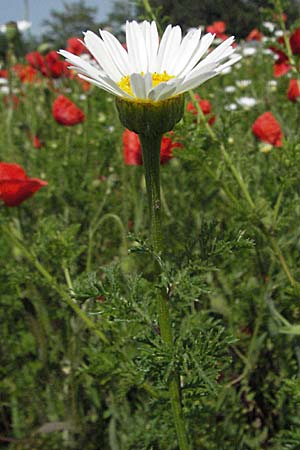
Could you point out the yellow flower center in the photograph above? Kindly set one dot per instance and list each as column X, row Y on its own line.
column 157, row 78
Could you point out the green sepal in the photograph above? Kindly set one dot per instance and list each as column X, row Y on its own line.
column 147, row 117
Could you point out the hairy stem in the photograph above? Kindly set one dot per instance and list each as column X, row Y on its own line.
column 151, row 159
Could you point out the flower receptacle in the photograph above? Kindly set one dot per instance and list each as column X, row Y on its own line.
column 147, row 117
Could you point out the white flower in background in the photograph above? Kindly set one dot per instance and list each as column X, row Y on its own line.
column 151, row 69
column 265, row 147
column 23, row 25
column 230, row 107
column 270, row 26
column 268, row 52
column 229, row 89
column 246, row 102
column 249, row 51
column 243, row 84
column 272, row 85
column 278, row 33
column 4, row 89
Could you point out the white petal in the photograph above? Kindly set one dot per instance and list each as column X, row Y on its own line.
column 136, row 48
column 222, row 49
column 98, row 49
column 80, row 64
column 194, row 82
column 117, row 52
column 162, row 48
column 228, row 63
column 137, row 83
column 151, row 39
column 108, row 85
column 148, row 83
column 188, row 46
column 205, row 43
column 171, row 49
column 163, row 90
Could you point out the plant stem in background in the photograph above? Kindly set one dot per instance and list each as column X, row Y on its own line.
column 151, row 158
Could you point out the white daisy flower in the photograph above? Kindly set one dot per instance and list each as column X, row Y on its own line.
column 270, row 26
column 151, row 69
column 246, row 102
column 230, row 107
column 249, row 51
column 229, row 89
column 243, row 83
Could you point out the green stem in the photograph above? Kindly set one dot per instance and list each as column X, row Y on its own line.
column 151, row 13
column 151, row 159
column 238, row 177
column 92, row 231
column 53, row 283
column 289, row 51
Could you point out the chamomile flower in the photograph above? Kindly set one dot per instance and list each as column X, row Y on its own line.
column 151, row 70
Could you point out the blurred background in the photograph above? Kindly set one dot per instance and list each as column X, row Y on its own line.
column 54, row 21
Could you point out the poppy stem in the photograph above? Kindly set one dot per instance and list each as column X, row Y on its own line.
column 151, row 159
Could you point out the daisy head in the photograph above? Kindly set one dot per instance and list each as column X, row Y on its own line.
column 151, row 69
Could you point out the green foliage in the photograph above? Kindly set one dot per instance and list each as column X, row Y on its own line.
column 241, row 16
column 72, row 20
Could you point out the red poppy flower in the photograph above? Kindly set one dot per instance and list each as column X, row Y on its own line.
column 132, row 151
column 293, row 92
column 54, row 67
column 205, row 106
column 15, row 185
column 254, row 35
column 295, row 42
column 282, row 65
column 218, row 29
column 66, row 112
column 267, row 129
column 35, row 60
column 3, row 73
column 166, row 149
column 27, row 74
column 75, row 46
